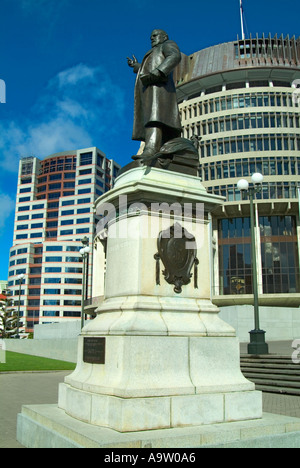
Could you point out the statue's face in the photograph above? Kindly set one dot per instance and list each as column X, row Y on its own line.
column 157, row 37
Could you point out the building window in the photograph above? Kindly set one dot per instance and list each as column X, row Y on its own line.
column 73, row 280
column 35, row 270
column 73, row 248
column 279, row 249
column 34, row 292
column 100, row 160
column 67, row 202
column 82, row 191
column 55, row 177
column 54, row 186
column 65, row 222
column 22, row 251
column 73, row 270
column 53, row 205
column 27, row 166
column 21, row 260
column 72, row 302
column 22, row 271
column 53, row 259
column 70, row 175
column 35, row 281
column 235, row 256
column 73, row 292
column 83, row 210
column 51, row 302
column 53, row 214
column 54, row 195
column 52, row 280
column 66, row 232
column 51, row 234
column 86, row 159
column 33, row 303
column 85, row 171
column 279, row 253
column 74, row 259
column 25, row 190
column 84, row 200
column 69, row 184
column 52, row 270
column 26, row 181
column 52, row 224
column 84, row 181
column 36, row 235
column 51, row 291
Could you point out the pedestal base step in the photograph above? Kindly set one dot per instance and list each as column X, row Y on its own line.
column 47, row 426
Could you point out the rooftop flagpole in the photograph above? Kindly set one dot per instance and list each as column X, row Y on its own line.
column 242, row 19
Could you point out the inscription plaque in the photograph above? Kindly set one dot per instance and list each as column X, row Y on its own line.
column 94, row 350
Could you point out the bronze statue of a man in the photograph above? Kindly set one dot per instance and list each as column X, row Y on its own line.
column 156, row 115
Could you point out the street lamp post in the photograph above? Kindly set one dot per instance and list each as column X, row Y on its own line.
column 85, row 253
column 20, row 279
column 257, row 343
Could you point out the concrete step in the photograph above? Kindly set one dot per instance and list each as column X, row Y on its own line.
column 279, row 390
column 272, row 373
column 268, row 359
column 268, row 370
column 272, row 367
column 279, row 377
column 273, row 381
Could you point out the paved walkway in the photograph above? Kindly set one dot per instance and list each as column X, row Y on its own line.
column 17, row 389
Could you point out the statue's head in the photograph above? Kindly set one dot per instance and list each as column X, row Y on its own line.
column 158, row 36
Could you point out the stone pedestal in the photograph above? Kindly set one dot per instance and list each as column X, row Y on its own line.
column 165, row 359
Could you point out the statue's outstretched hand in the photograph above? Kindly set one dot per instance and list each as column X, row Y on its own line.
column 132, row 61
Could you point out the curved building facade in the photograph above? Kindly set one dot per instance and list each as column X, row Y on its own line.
column 241, row 100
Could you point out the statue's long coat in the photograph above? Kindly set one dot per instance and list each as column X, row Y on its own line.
column 157, row 104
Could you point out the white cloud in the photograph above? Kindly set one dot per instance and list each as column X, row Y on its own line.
column 79, row 107
column 76, row 74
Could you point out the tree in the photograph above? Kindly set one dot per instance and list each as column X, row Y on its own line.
column 8, row 316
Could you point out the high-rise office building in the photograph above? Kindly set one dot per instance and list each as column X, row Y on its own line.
column 241, row 98
column 54, row 212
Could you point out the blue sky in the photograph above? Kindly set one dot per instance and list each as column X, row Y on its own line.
column 68, row 84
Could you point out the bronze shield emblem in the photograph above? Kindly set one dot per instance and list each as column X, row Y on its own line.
column 178, row 252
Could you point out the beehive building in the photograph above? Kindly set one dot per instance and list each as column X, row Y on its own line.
column 241, row 99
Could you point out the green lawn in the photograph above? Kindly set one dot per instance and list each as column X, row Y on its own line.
column 25, row 362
